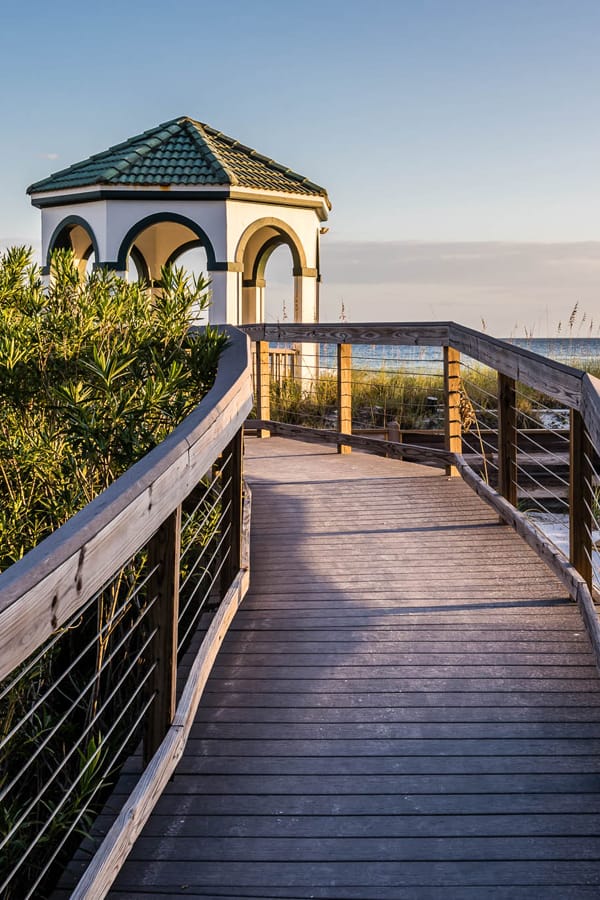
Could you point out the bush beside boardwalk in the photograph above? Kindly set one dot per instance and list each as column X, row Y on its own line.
column 94, row 372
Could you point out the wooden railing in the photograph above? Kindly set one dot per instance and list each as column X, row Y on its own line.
column 515, row 367
column 126, row 580
column 92, row 624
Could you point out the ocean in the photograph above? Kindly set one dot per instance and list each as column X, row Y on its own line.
column 572, row 351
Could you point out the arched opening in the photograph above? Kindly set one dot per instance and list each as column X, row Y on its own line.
column 278, row 285
column 75, row 234
column 159, row 239
column 193, row 259
column 265, row 240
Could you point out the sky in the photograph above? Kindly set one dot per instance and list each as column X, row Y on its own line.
column 459, row 140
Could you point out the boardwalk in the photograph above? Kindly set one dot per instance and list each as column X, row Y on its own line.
column 405, row 707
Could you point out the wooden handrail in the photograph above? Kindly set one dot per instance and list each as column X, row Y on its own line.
column 576, row 389
column 39, row 593
column 572, row 387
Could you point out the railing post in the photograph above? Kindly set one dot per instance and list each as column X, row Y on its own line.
column 452, row 422
column 344, row 392
column 164, row 551
column 507, row 438
column 263, row 386
column 232, row 519
column 580, row 498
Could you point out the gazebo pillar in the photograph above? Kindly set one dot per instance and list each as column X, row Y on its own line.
column 226, row 299
column 306, row 307
column 253, row 300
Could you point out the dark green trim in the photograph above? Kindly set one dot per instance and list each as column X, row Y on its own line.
column 111, row 194
column 190, row 245
column 62, row 233
column 157, row 218
column 226, row 267
column 140, row 263
column 308, row 201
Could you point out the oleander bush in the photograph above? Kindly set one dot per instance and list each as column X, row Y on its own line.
column 94, row 372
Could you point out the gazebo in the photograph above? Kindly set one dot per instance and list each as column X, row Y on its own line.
column 180, row 185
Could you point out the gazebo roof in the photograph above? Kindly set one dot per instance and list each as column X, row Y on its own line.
column 181, row 152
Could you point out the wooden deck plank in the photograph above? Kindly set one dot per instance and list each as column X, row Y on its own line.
column 406, row 706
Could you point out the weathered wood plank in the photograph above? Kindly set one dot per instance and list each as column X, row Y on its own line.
column 552, row 378
column 425, row 334
column 365, row 680
column 263, row 386
column 425, row 456
column 163, row 555
column 344, row 392
column 581, row 499
column 452, row 419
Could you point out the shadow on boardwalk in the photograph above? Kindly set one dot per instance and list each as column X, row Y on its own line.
column 406, row 706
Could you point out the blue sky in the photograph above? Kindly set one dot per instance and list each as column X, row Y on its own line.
column 427, row 120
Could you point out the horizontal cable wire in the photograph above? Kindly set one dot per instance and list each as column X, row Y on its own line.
column 200, row 526
column 41, row 700
column 66, row 758
column 97, row 673
column 57, row 636
column 75, row 781
column 206, row 548
column 527, row 437
column 209, row 488
column 110, row 765
column 201, row 606
column 538, row 462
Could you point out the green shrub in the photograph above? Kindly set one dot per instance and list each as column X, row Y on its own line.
column 94, row 372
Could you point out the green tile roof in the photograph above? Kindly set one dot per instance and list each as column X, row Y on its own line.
column 183, row 152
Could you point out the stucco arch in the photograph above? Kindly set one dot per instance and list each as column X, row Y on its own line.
column 164, row 218
column 258, row 242
column 67, row 235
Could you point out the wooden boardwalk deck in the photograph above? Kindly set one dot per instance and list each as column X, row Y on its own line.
column 406, row 706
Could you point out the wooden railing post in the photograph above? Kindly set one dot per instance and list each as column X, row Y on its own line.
column 507, row 438
column 344, row 392
column 263, row 386
column 233, row 517
column 164, row 551
column 452, row 421
column 580, row 498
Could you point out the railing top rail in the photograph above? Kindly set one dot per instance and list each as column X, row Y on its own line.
column 425, row 334
column 53, row 580
column 564, row 383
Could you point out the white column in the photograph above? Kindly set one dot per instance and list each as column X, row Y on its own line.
column 253, row 302
column 226, row 299
column 305, row 298
column 306, row 310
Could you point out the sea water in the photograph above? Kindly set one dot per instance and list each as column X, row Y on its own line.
column 572, row 351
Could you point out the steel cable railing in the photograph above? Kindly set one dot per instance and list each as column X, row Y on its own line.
column 100, row 683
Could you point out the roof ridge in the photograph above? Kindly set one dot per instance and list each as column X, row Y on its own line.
column 199, row 132
column 267, row 160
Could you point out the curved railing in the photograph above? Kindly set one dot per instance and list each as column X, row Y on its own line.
column 506, row 443
column 117, row 593
column 122, row 586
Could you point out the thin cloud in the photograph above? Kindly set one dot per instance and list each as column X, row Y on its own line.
column 48, row 155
